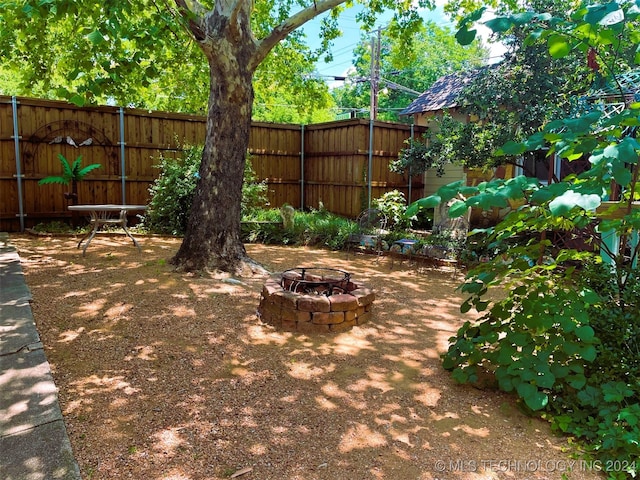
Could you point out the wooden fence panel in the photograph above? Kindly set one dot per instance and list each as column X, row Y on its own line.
column 335, row 157
column 275, row 156
column 337, row 170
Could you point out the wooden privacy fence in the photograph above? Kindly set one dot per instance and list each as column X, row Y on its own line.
column 304, row 166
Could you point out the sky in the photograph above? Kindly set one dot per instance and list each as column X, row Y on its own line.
column 344, row 46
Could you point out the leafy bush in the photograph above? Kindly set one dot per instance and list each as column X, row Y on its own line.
column 173, row 190
column 393, row 205
column 58, row 226
column 264, row 226
column 315, row 228
column 322, row 228
column 606, row 411
column 254, row 193
column 566, row 341
column 565, row 337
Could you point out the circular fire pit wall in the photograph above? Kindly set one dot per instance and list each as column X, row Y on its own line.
column 314, row 300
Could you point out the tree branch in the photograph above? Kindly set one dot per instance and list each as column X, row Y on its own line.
column 193, row 13
column 289, row 25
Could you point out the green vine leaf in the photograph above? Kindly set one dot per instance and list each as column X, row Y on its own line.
column 559, row 46
column 585, row 333
column 535, row 399
column 567, row 201
column 598, row 14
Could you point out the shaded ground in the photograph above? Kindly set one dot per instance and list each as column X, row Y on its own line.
column 168, row 376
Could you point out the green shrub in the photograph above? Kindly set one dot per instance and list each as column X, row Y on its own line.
column 254, row 193
column 172, row 192
column 317, row 228
column 58, row 226
column 321, row 228
column 565, row 339
column 264, row 226
column 606, row 411
column 393, row 205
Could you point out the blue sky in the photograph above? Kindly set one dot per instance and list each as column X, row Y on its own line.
column 344, row 46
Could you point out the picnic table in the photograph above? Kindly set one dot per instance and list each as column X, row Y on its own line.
column 100, row 215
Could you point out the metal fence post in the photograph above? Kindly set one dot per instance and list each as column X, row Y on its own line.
column 122, row 157
column 370, row 166
column 302, row 167
column 16, row 141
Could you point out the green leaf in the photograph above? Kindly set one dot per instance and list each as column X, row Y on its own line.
column 621, row 173
column 590, row 297
column 75, row 168
column 458, row 209
column 512, row 148
column 585, row 333
column 481, row 306
column 461, row 375
column 465, row 37
column 499, row 24
column 590, row 396
column 427, row 202
column 77, row 100
column 535, row 141
column 472, row 287
column 625, row 151
column 466, row 306
column 49, row 180
column 505, row 380
column 519, row 339
column 451, row 190
column 95, row 37
column 545, row 379
column 604, row 14
column 589, row 353
column 88, row 168
column 506, row 354
column 559, row 46
column 616, row 391
column 66, row 168
column 524, row 17
column 535, row 399
column 570, row 199
column 631, row 415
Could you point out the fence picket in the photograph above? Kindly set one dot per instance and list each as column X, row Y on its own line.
column 335, row 158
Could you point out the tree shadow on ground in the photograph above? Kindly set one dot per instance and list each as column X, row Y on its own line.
column 169, row 376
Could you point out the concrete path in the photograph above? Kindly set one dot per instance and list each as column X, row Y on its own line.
column 33, row 439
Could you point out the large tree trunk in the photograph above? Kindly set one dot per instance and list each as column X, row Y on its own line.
column 212, row 238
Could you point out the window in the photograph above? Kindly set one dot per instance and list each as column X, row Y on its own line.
column 536, row 164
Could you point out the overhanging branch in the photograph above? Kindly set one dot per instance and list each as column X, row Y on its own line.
column 193, row 12
column 289, row 25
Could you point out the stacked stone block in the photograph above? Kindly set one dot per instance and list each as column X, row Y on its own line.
column 314, row 313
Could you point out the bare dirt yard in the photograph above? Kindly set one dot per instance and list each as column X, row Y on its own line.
column 164, row 376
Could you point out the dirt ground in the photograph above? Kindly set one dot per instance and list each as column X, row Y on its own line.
column 164, row 376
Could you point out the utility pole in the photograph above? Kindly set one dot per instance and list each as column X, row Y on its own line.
column 373, row 109
column 375, row 74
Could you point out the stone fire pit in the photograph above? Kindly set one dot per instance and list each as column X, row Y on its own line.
column 314, row 300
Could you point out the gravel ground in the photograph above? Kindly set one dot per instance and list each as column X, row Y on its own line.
column 167, row 376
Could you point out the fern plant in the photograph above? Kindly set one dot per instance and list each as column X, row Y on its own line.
column 71, row 173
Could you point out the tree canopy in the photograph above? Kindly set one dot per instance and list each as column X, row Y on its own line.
column 506, row 101
column 135, row 55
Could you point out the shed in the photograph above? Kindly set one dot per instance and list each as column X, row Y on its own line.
column 442, row 97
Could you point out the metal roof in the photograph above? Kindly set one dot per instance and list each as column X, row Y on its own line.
column 442, row 94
